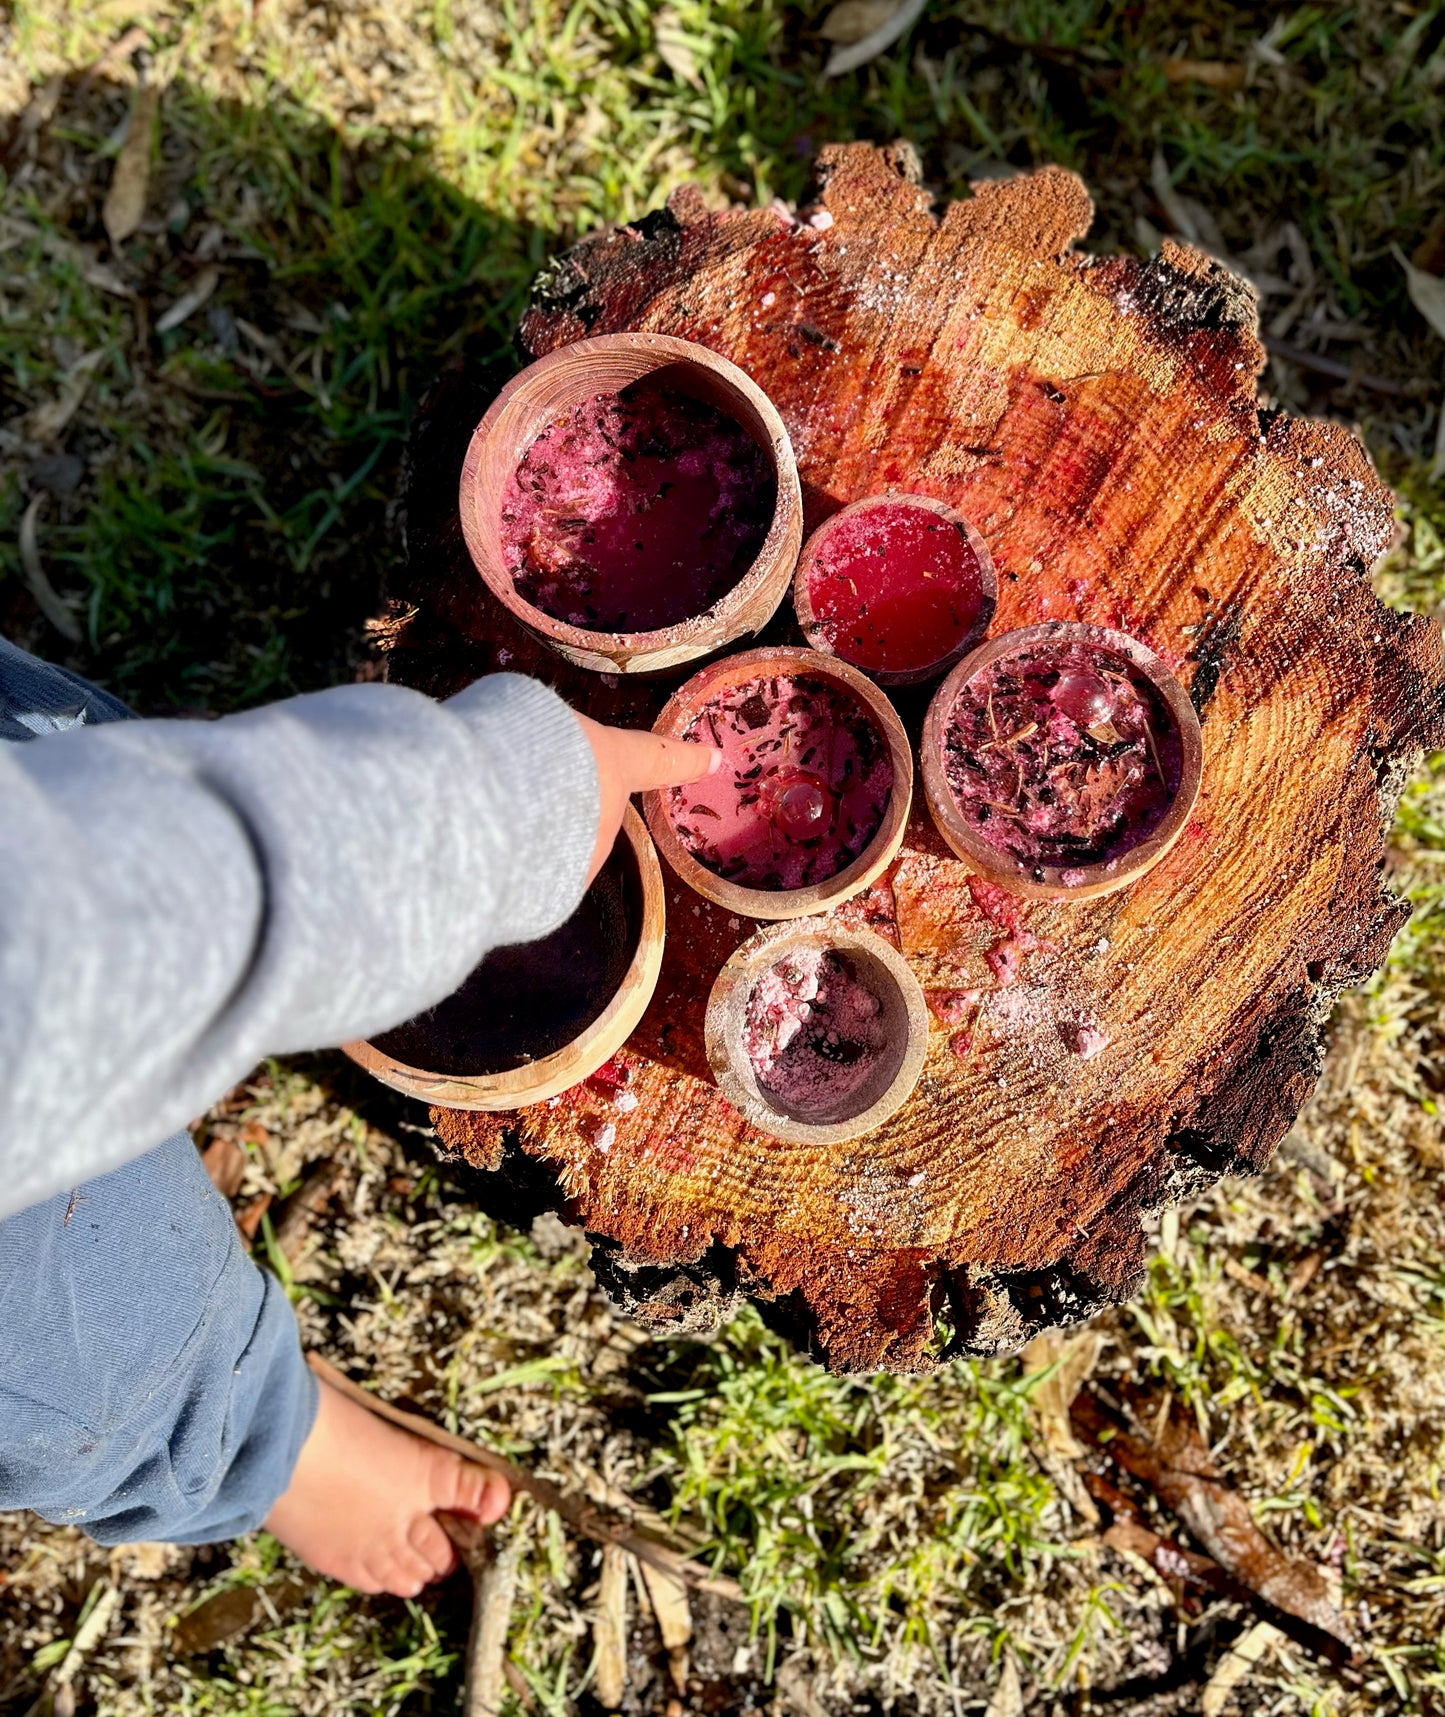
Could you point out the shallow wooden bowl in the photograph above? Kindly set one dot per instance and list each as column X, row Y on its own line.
column 678, row 714
column 814, row 630
column 567, row 377
column 1045, row 882
column 575, row 1061
column 905, row 1015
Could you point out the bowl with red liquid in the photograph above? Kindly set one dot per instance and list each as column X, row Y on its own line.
column 634, row 500
column 1061, row 761
column 900, row 585
column 813, row 796
column 816, row 1034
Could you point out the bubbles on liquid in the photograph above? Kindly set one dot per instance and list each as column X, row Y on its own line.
column 1084, row 698
column 798, row 803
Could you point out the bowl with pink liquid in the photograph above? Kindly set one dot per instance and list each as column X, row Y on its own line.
column 813, row 795
column 634, row 500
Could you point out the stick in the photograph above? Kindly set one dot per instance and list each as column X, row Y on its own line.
column 581, row 1515
column 494, row 1583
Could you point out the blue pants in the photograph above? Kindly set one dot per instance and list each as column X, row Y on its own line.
column 151, row 1378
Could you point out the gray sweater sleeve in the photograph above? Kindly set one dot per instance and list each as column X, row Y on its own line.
column 180, row 899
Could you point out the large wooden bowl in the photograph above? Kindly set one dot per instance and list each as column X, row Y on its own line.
column 567, row 377
column 678, row 716
column 575, row 1061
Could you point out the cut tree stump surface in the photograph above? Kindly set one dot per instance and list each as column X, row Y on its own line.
column 1097, row 419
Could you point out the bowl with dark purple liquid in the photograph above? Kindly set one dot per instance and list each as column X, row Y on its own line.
column 1061, row 761
column 634, row 500
column 535, row 1018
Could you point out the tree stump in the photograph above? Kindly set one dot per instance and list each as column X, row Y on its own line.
column 1097, row 419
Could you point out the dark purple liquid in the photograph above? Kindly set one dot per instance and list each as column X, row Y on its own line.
column 531, row 999
column 636, row 510
column 1062, row 755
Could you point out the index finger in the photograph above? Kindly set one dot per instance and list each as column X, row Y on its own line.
column 652, row 761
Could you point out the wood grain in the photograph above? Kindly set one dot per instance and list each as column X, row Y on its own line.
column 1097, row 418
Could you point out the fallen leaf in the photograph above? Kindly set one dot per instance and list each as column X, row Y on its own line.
column 1177, row 1465
column 848, row 59
column 47, row 421
column 225, row 1163
column 90, row 1633
column 851, row 20
column 1217, row 74
column 228, row 1614
column 1427, row 292
column 1073, row 1360
column 668, row 1597
column 1169, row 1561
column 1008, row 1696
column 609, row 1630
column 1236, row 1663
column 78, row 256
column 47, row 598
column 125, row 201
column 190, row 301
column 674, row 46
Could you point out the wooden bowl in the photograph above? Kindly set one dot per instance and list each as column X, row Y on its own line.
column 1045, row 881
column 677, row 716
column 816, row 630
column 904, row 1019
column 601, row 1038
column 565, row 378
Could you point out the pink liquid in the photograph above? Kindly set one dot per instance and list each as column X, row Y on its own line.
column 1062, row 755
column 813, row 1032
column 804, row 785
column 636, row 510
column 896, row 587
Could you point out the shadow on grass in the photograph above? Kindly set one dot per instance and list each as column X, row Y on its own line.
column 220, row 515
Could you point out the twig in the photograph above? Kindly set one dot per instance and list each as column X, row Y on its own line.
column 494, row 1584
column 582, row 1516
column 1336, row 371
column 47, row 598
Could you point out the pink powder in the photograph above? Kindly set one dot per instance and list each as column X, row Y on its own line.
column 805, row 783
column 636, row 510
column 814, row 1032
column 1062, row 754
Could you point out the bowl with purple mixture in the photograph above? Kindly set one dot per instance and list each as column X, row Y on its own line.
column 634, row 500
column 816, row 1034
column 1061, row 761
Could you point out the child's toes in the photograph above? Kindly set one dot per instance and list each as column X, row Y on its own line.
column 465, row 1488
column 428, row 1538
column 404, row 1573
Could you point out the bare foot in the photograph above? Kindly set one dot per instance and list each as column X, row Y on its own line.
column 362, row 1502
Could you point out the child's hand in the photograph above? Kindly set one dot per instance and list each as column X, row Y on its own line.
column 630, row 762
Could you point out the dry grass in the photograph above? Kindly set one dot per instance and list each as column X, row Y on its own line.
column 375, row 188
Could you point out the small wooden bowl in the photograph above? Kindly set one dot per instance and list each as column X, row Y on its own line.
column 905, row 1020
column 1045, row 882
column 596, row 1043
column 564, row 378
column 678, row 714
column 815, row 631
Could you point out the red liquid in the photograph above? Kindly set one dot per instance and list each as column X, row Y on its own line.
column 1062, row 755
column 896, row 587
column 805, row 781
column 636, row 510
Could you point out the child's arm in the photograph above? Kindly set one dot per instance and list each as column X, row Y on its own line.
column 179, row 899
